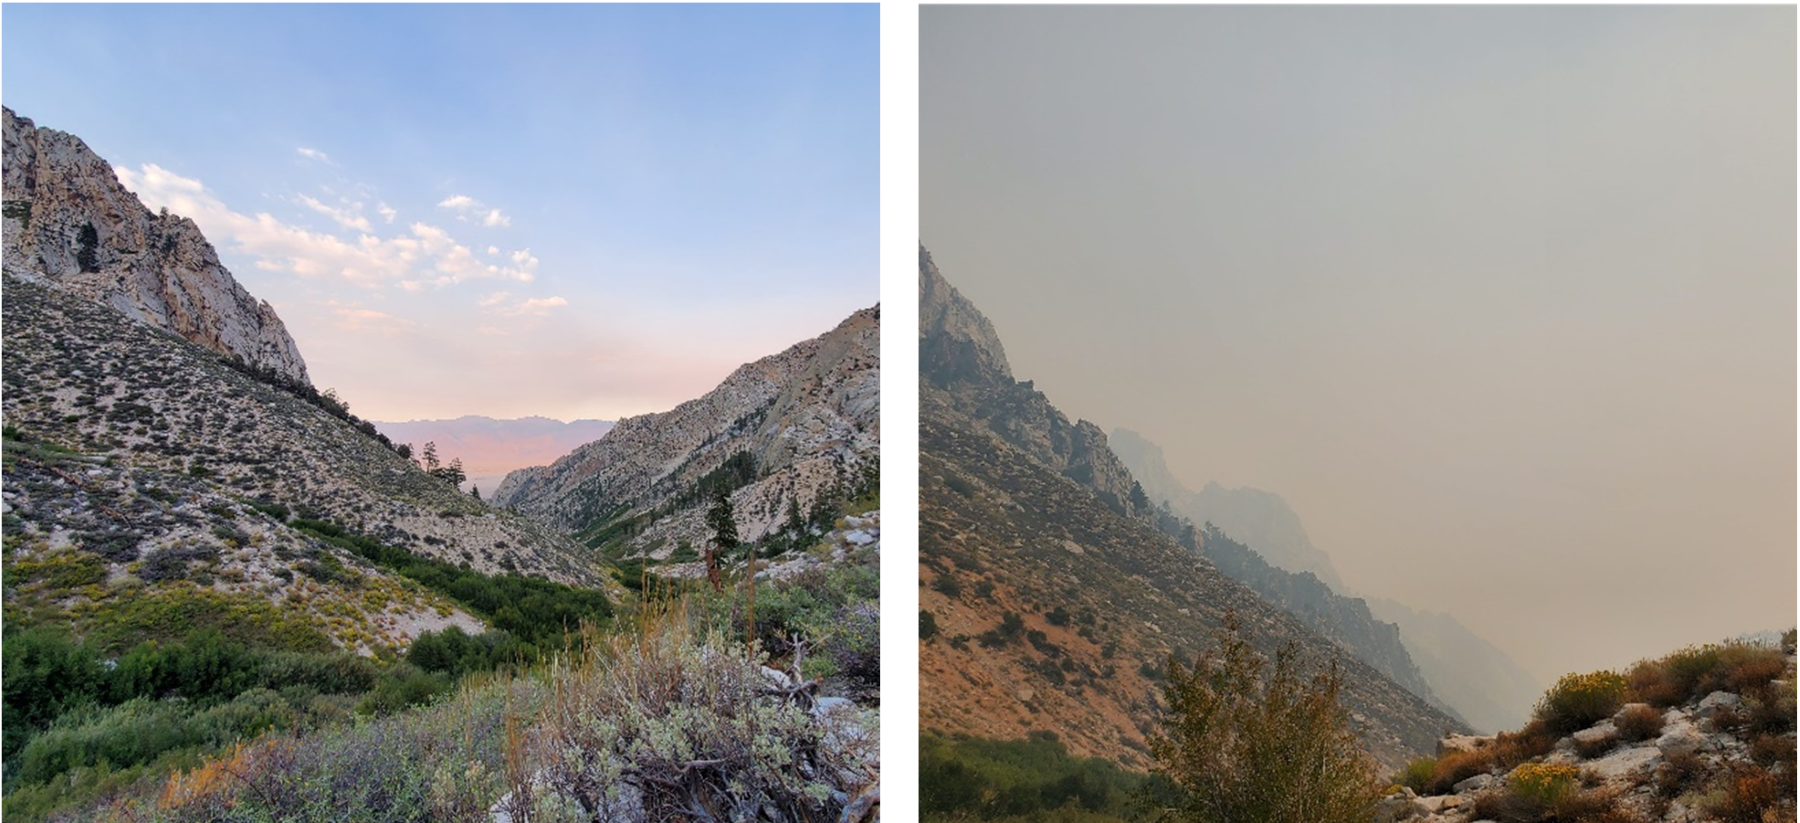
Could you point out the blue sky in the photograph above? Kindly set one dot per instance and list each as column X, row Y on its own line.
column 567, row 210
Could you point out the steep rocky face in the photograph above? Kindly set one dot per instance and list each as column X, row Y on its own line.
column 802, row 424
column 956, row 341
column 959, row 353
column 69, row 222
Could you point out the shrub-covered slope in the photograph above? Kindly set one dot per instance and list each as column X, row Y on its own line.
column 82, row 376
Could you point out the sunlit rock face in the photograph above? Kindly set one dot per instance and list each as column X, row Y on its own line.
column 69, row 222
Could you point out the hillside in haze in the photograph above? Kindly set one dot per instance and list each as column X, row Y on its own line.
column 1055, row 603
column 1468, row 673
column 490, row 448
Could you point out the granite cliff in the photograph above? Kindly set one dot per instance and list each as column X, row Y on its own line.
column 69, row 222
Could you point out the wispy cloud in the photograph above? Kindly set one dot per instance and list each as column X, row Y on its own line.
column 496, row 303
column 314, row 154
column 387, row 213
column 423, row 255
column 348, row 217
column 468, row 210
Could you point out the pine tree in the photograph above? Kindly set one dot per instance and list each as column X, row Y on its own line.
column 725, row 535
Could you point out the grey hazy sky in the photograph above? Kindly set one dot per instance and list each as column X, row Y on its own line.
column 1501, row 300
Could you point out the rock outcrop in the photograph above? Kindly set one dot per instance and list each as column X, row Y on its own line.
column 1724, row 755
column 69, row 222
column 797, row 427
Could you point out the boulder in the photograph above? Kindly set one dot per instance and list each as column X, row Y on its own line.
column 1478, row 783
column 1596, row 733
column 1462, row 743
column 1716, row 702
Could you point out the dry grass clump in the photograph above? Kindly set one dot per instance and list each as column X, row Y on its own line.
column 1508, row 750
column 1638, row 722
column 1680, row 771
column 1511, row 806
column 1748, row 794
column 1694, row 672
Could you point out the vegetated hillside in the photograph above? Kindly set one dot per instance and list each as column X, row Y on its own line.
column 1487, row 687
column 1448, row 664
column 1261, row 519
column 787, row 437
column 1050, row 602
column 1706, row 733
column 490, row 448
column 82, row 376
column 68, row 219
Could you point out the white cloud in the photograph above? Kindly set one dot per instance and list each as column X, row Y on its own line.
column 314, row 154
column 536, row 306
column 387, row 213
column 493, row 250
column 468, row 209
column 348, row 217
column 423, row 256
column 495, row 299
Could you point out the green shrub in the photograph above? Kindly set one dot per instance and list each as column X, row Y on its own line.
column 1244, row 747
column 1417, row 774
column 1033, row 779
column 1578, row 701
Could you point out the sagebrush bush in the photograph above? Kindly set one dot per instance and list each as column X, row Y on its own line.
column 1509, row 749
column 1639, row 722
column 1696, row 671
column 1578, row 701
column 662, row 725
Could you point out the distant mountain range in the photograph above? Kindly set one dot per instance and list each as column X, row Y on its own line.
column 1055, row 599
column 1469, row 675
column 491, row 448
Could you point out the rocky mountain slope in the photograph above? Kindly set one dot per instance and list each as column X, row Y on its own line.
column 958, row 349
column 70, row 222
column 1261, row 519
column 80, row 375
column 1462, row 671
column 1052, row 604
column 1345, row 620
column 489, row 448
column 781, row 435
column 1487, row 687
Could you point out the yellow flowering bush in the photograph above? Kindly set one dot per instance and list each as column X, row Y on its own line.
column 1578, row 701
column 1544, row 783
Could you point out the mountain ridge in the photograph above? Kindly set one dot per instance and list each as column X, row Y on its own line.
column 70, row 222
column 1053, row 598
